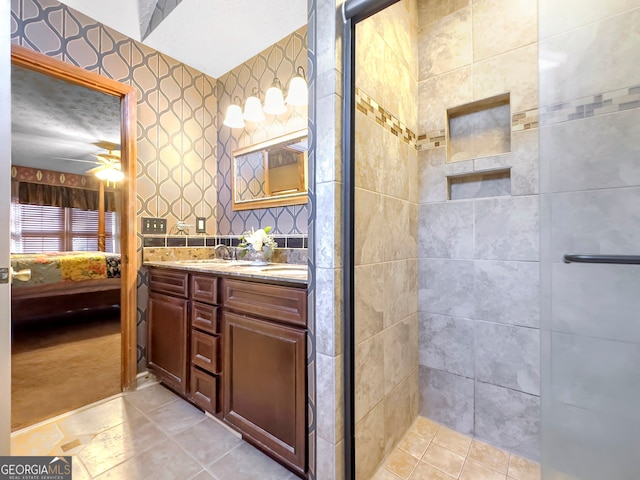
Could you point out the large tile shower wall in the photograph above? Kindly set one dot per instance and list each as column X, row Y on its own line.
column 386, row 212
column 479, row 221
column 280, row 60
column 176, row 114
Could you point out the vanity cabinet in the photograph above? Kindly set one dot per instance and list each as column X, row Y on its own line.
column 167, row 323
column 235, row 348
column 264, row 331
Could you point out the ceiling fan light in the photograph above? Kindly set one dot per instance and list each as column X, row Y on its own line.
column 115, row 175
column 253, row 110
column 274, row 100
column 110, row 174
column 233, row 117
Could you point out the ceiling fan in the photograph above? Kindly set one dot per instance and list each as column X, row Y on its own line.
column 108, row 166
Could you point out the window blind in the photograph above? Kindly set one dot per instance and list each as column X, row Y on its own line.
column 59, row 229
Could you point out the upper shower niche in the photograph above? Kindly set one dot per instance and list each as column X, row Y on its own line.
column 479, row 129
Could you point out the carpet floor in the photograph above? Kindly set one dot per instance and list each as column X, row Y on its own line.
column 63, row 363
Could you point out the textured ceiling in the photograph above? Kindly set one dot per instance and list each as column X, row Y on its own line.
column 53, row 120
column 213, row 36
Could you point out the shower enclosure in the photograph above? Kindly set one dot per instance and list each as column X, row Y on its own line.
column 520, row 261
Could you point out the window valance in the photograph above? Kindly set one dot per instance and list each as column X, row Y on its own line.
column 59, row 196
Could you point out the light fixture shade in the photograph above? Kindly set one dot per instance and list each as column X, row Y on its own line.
column 298, row 94
column 233, row 117
column 274, row 100
column 110, row 174
column 253, row 110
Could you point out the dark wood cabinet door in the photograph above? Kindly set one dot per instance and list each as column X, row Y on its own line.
column 264, row 385
column 167, row 323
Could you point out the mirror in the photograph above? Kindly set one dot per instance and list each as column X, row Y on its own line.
column 271, row 173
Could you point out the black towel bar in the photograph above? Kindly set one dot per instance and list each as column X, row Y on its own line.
column 612, row 259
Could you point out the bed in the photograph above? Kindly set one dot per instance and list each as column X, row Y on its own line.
column 64, row 282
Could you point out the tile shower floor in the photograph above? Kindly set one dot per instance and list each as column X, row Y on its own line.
column 147, row 434
column 429, row 451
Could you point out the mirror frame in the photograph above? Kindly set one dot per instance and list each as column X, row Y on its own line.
column 52, row 67
column 277, row 200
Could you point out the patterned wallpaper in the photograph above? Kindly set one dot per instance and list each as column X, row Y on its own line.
column 280, row 60
column 312, row 383
column 176, row 124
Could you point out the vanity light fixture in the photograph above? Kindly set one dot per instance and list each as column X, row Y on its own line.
column 252, row 108
column 233, row 117
column 274, row 100
column 298, row 94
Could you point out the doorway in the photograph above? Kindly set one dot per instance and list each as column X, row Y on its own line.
column 125, row 324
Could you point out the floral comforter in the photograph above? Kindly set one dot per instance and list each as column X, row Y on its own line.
column 66, row 266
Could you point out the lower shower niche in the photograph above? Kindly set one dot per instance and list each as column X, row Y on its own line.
column 496, row 183
column 479, row 129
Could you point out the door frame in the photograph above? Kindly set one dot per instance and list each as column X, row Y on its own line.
column 353, row 12
column 41, row 63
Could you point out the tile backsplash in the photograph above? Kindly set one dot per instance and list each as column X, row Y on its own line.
column 291, row 248
column 283, row 241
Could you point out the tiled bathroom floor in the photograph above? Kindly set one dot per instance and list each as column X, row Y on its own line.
column 429, row 451
column 147, row 434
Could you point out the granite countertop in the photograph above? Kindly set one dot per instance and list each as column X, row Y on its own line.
column 273, row 272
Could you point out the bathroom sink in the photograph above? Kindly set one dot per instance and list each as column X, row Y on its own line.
column 286, row 269
column 202, row 261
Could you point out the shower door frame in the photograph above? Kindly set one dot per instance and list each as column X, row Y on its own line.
column 353, row 12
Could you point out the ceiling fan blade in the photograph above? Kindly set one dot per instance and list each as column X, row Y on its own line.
column 93, row 170
column 107, row 145
column 107, row 158
column 78, row 160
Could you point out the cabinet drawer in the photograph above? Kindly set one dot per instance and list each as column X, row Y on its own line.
column 204, row 317
column 168, row 281
column 204, row 351
column 204, row 390
column 283, row 304
column 204, row 288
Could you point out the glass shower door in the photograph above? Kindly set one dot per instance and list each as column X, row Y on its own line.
column 590, row 198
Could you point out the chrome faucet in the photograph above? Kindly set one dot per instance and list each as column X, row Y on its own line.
column 227, row 253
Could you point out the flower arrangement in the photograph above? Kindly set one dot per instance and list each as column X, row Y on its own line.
column 259, row 243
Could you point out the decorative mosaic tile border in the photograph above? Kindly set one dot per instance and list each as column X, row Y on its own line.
column 283, row 241
column 525, row 120
column 430, row 140
column 584, row 107
column 368, row 106
column 592, row 106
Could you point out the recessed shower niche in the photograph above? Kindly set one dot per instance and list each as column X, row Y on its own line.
column 479, row 129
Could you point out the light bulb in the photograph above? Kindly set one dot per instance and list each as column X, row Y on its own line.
column 110, row 174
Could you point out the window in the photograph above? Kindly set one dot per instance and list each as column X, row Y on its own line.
column 39, row 229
